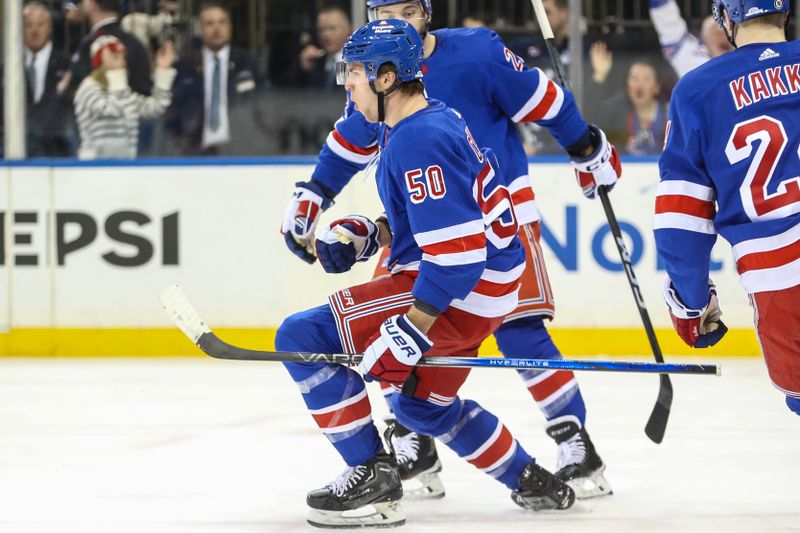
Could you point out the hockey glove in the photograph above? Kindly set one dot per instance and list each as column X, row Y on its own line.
column 309, row 199
column 392, row 352
column 601, row 168
column 699, row 328
column 347, row 241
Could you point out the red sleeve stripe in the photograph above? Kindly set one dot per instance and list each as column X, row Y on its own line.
column 549, row 103
column 352, row 147
column 685, row 205
column 769, row 259
column 488, row 288
column 523, row 195
column 458, row 245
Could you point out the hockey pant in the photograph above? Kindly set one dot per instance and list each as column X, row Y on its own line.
column 524, row 335
column 337, row 399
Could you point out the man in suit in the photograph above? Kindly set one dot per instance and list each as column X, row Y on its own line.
column 317, row 66
column 216, row 83
column 47, row 108
column 103, row 16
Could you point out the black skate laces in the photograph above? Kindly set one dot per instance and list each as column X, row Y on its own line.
column 347, row 479
column 571, row 451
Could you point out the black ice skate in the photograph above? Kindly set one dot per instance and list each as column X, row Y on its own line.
column 367, row 495
column 418, row 462
column 540, row 490
column 578, row 463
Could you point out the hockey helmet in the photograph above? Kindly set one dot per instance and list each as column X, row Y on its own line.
column 373, row 5
column 742, row 10
column 383, row 41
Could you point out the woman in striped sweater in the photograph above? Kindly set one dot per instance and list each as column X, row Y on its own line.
column 108, row 111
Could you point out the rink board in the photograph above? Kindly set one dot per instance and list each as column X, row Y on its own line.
column 89, row 247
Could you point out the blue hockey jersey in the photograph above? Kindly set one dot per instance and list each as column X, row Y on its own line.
column 452, row 219
column 472, row 71
column 733, row 140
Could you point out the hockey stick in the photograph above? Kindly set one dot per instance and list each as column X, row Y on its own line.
column 188, row 320
column 657, row 423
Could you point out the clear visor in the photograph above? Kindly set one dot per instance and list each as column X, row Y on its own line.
column 409, row 13
column 341, row 73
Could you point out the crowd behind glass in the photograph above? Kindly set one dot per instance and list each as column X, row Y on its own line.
column 125, row 79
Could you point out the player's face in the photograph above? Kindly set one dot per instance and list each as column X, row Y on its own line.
column 411, row 12
column 360, row 92
column 643, row 86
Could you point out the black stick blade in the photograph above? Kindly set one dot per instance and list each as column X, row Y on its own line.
column 657, row 424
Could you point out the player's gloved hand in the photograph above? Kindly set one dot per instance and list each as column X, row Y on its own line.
column 600, row 168
column 347, row 241
column 391, row 353
column 699, row 328
column 309, row 199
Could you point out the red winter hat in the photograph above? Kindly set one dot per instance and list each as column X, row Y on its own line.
column 100, row 44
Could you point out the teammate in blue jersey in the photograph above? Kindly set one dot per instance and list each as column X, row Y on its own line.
column 472, row 71
column 734, row 139
column 453, row 233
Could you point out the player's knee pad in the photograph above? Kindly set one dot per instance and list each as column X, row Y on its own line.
column 793, row 404
column 425, row 417
column 526, row 337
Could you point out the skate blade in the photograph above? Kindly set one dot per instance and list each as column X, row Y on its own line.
column 377, row 515
column 594, row 486
column 424, row 486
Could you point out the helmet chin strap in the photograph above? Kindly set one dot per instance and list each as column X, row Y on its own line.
column 381, row 98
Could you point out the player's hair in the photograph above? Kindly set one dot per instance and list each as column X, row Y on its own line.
column 214, row 4
column 409, row 88
column 773, row 19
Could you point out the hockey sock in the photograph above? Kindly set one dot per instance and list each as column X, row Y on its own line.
column 469, row 430
column 335, row 395
column 793, row 404
column 556, row 393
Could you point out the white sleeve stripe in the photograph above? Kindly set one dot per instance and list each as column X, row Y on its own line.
column 499, row 277
column 520, row 183
column 766, row 244
column 534, row 100
column 555, row 107
column 457, row 259
column 344, row 153
column 685, row 222
column 685, row 188
column 426, row 238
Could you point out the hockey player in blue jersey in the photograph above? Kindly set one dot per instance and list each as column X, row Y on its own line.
column 452, row 228
column 734, row 140
column 472, row 71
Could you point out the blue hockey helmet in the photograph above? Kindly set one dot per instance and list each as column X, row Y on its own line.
column 384, row 41
column 373, row 5
column 742, row 10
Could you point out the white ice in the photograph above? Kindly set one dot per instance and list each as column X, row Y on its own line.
column 196, row 445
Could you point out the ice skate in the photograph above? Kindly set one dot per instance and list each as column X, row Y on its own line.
column 540, row 490
column 417, row 460
column 578, row 463
column 367, row 495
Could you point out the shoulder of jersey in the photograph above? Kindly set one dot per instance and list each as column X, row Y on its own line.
column 468, row 43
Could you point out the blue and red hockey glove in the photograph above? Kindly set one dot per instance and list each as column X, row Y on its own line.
column 393, row 351
column 601, row 168
column 347, row 241
column 309, row 200
column 699, row 328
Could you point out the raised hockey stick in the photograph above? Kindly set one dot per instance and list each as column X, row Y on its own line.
column 188, row 320
column 657, row 423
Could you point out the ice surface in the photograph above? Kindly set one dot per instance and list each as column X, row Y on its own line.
column 197, row 445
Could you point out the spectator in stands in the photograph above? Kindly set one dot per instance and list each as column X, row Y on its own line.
column 317, row 65
column 47, row 112
column 473, row 21
column 108, row 111
column 637, row 119
column 103, row 16
column 150, row 21
column 216, row 82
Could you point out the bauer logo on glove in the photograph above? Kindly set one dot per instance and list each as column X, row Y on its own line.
column 393, row 351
